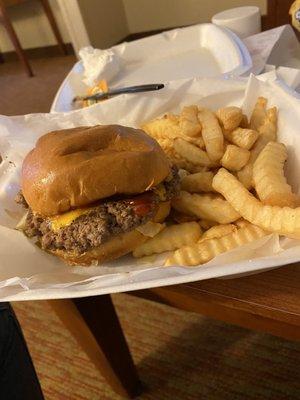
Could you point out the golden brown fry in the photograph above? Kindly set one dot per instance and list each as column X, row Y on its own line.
column 235, row 158
column 188, row 122
column 240, row 223
column 176, row 159
column 268, row 129
column 168, row 128
column 230, row 117
column 218, row 231
column 197, row 183
column 244, row 122
column 258, row 114
column 198, row 168
column 212, row 134
column 207, row 224
column 267, row 133
column 170, row 238
column 281, row 220
column 192, row 153
column 179, row 217
column 203, row 252
column 244, row 138
column 172, row 117
column 268, row 177
column 205, row 206
column 197, row 141
column 162, row 128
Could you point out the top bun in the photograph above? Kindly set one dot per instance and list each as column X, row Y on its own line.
column 75, row 167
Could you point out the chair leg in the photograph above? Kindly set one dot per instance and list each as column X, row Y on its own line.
column 1, row 58
column 50, row 16
column 95, row 325
column 14, row 38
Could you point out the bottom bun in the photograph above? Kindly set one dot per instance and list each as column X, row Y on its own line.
column 117, row 247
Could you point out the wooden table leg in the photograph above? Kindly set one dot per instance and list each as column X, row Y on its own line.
column 53, row 24
column 14, row 38
column 95, row 325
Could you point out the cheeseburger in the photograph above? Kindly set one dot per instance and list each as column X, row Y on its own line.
column 92, row 192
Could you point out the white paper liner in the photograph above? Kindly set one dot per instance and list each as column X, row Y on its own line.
column 26, row 272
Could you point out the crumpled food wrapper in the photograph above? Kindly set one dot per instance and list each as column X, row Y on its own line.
column 278, row 47
column 26, row 272
column 99, row 63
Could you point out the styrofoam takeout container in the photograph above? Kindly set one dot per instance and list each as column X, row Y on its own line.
column 203, row 50
column 244, row 21
column 27, row 273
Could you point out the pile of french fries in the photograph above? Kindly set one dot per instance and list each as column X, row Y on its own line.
column 233, row 187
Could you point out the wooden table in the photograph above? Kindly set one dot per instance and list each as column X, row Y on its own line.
column 267, row 302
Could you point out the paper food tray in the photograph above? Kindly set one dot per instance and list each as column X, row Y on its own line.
column 27, row 273
column 203, row 50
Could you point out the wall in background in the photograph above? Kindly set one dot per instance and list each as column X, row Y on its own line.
column 109, row 21
column 148, row 15
column 32, row 26
column 105, row 21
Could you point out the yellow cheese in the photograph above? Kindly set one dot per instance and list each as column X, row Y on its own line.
column 160, row 190
column 60, row 221
column 150, row 229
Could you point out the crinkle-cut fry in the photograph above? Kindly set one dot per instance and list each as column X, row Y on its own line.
column 282, row 220
column 197, row 183
column 172, row 117
column 268, row 128
column 192, row 153
column 188, row 121
column 170, row 238
column 203, row 252
column 268, row 176
column 197, row 141
column 168, row 129
column 235, row 158
column 165, row 142
column 267, row 133
column 205, row 206
column 240, row 223
column 245, row 175
column 218, row 231
column 212, row 134
column 207, row 224
column 162, row 128
column 180, row 217
column 258, row 114
column 230, row 117
column 244, row 138
column 176, row 158
column 244, row 122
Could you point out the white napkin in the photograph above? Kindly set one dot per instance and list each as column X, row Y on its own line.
column 278, row 46
column 98, row 63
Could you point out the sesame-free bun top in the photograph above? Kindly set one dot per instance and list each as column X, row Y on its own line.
column 75, row 167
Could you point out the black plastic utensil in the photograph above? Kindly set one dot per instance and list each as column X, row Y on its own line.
column 117, row 91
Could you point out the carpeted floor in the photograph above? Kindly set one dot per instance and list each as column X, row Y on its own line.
column 179, row 355
column 23, row 95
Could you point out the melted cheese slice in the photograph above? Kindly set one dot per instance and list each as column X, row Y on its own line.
column 150, row 229
column 60, row 221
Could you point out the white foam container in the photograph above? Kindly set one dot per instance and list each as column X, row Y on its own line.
column 203, row 50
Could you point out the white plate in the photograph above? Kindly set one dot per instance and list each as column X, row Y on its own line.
column 26, row 272
column 203, row 50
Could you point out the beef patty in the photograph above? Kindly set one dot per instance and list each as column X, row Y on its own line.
column 97, row 225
